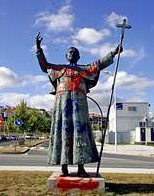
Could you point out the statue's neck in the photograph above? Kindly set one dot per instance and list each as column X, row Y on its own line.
column 72, row 64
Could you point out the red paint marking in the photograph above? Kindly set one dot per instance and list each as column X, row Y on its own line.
column 72, row 85
column 92, row 70
column 64, row 183
column 1, row 122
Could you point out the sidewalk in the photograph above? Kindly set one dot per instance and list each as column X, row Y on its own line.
column 137, row 150
column 130, row 149
column 74, row 169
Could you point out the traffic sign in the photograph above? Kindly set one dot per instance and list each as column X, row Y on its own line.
column 18, row 122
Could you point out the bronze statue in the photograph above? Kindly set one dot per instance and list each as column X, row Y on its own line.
column 71, row 139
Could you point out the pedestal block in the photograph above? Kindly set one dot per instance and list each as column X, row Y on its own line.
column 58, row 182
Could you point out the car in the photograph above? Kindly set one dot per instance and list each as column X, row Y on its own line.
column 31, row 136
column 11, row 137
column 3, row 138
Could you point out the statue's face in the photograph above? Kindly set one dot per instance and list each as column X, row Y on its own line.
column 72, row 55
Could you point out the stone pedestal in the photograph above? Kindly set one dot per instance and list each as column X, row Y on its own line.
column 58, row 182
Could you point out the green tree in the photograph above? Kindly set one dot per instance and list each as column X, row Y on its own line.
column 95, row 127
column 33, row 121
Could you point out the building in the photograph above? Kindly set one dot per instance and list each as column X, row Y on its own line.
column 123, row 120
column 94, row 118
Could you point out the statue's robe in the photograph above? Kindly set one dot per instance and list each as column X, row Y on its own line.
column 71, row 139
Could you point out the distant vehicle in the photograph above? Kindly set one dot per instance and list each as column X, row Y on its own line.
column 14, row 137
column 3, row 138
column 11, row 137
column 31, row 136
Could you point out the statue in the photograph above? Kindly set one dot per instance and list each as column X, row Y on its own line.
column 71, row 139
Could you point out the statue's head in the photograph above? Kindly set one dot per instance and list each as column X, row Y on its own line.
column 72, row 55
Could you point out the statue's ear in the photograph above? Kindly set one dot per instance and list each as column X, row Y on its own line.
column 78, row 57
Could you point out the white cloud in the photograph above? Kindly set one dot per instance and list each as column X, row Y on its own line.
column 37, row 82
column 8, row 78
column 129, row 53
column 132, row 87
column 91, row 36
column 44, row 47
column 13, row 98
column 108, row 47
column 126, row 82
column 41, row 101
column 137, row 97
column 105, row 49
column 113, row 19
column 130, row 81
column 62, row 21
column 35, row 79
column 61, row 40
column 102, row 100
column 36, row 101
column 141, row 54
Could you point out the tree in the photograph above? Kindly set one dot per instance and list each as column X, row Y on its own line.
column 33, row 120
column 95, row 127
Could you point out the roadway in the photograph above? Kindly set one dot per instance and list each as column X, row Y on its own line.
column 108, row 161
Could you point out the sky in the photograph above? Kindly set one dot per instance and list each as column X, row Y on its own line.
column 88, row 25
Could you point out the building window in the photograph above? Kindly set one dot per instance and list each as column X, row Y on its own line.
column 132, row 108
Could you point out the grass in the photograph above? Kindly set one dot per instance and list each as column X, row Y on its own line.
column 20, row 148
column 16, row 183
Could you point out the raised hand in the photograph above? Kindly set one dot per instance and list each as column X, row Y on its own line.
column 118, row 49
column 38, row 40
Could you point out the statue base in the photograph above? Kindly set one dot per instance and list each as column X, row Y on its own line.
column 57, row 182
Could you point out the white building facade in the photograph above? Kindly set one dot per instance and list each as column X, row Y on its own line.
column 123, row 120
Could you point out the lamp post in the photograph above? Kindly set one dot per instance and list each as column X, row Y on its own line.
column 115, row 113
column 146, row 123
column 146, row 131
column 115, row 119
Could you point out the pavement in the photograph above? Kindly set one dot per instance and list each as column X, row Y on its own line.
column 74, row 169
column 136, row 150
column 130, row 149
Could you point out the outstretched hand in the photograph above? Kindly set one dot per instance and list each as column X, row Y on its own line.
column 38, row 40
column 118, row 49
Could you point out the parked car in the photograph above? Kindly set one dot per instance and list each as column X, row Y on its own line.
column 3, row 138
column 11, row 137
column 31, row 136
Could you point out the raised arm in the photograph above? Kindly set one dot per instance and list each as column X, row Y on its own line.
column 107, row 60
column 40, row 55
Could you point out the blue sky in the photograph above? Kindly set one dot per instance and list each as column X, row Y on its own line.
column 87, row 25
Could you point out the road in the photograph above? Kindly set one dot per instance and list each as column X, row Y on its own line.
column 108, row 161
column 8, row 143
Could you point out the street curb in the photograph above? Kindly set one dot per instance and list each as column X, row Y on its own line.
column 73, row 169
column 23, row 152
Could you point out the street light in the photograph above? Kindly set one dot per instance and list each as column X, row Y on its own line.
column 115, row 114
column 146, row 123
